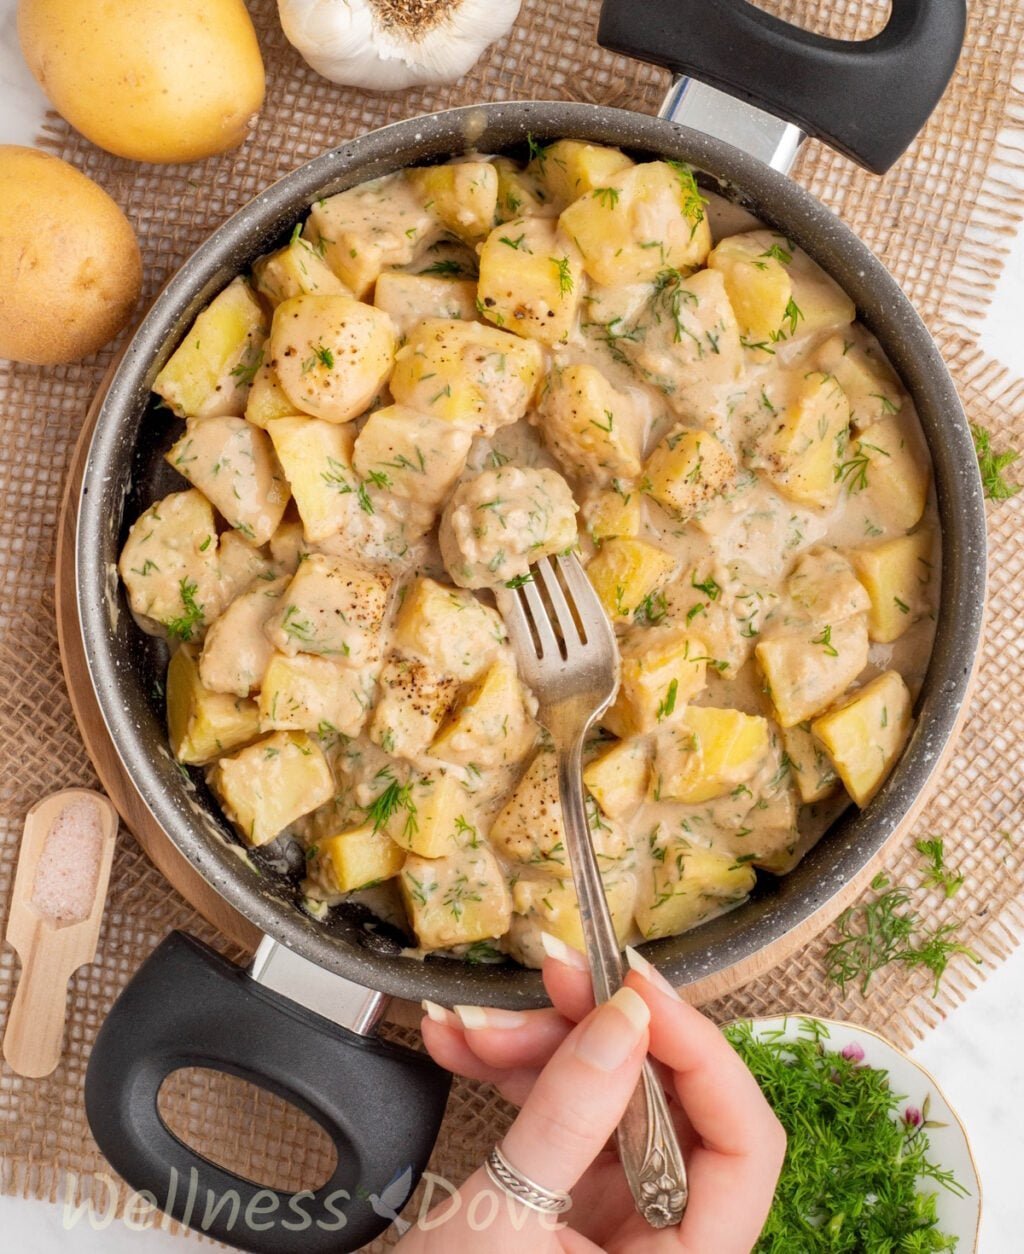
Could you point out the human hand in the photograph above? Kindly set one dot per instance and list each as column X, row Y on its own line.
column 572, row 1069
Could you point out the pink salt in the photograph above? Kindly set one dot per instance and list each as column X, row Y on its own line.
column 69, row 866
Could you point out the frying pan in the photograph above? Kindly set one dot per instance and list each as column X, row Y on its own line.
column 300, row 1021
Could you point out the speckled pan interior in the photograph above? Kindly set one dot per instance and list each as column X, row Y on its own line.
column 125, row 472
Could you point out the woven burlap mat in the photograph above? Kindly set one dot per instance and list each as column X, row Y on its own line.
column 940, row 220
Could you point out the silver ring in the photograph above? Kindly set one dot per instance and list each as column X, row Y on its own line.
column 522, row 1188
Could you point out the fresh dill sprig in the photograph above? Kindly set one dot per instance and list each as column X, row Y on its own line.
column 447, row 268
column 565, row 279
column 937, row 874
column 994, row 483
column 183, row 627
column 394, row 798
column 857, row 1170
column 885, row 930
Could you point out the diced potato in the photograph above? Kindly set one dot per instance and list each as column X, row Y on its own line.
column 686, row 340
column 815, row 302
column 758, row 285
column 553, row 905
column 687, row 470
column 823, row 587
column 236, row 650
column 662, row 668
column 272, row 783
column 296, row 270
column 594, row 430
column 314, row 694
column 568, row 169
column 414, row 701
column 210, row 371
column 625, row 572
column 496, row 526
column 456, row 900
column 463, row 372
column 345, row 861
column 520, row 194
column 203, row 724
column 409, row 298
column 614, row 512
column 316, row 457
column 684, row 885
column 433, row 823
column 332, row 607
column 806, row 671
column 646, row 219
column 492, row 724
column 531, row 279
column 813, row 773
column 169, row 564
column 267, row 398
column 449, row 628
column 708, row 753
column 234, row 465
column 331, row 354
column 463, row 196
column 865, row 376
column 410, row 454
column 892, row 467
column 617, row 778
column 772, row 841
column 866, row 734
column 803, row 444
column 528, row 828
column 897, row 575
column 360, row 231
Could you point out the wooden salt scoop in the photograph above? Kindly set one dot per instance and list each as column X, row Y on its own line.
column 59, row 893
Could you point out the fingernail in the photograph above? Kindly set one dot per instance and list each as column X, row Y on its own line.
column 475, row 1017
column 612, row 1034
column 561, row 952
column 641, row 966
column 439, row 1014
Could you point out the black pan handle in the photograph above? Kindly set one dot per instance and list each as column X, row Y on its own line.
column 867, row 98
column 187, row 1006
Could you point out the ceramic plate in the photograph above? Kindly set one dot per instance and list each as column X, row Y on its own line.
column 921, row 1099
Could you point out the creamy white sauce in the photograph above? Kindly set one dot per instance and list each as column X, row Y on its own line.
column 672, row 353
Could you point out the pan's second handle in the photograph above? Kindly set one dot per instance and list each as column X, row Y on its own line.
column 188, row 1007
column 867, row 98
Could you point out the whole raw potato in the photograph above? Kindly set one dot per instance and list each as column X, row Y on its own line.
column 152, row 80
column 70, row 270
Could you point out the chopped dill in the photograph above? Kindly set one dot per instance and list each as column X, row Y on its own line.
column 994, row 483
column 937, row 874
column 183, row 628
column 857, row 1171
column 887, row 929
column 394, row 798
column 565, row 279
column 651, row 610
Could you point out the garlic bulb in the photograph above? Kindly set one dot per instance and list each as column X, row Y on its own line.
column 384, row 45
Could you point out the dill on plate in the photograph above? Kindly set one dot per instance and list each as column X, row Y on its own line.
column 857, row 1173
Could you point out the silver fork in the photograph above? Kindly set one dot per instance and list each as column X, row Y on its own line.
column 568, row 655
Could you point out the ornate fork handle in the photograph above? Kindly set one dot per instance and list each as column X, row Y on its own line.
column 648, row 1147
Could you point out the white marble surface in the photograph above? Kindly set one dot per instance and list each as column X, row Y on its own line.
column 974, row 1055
